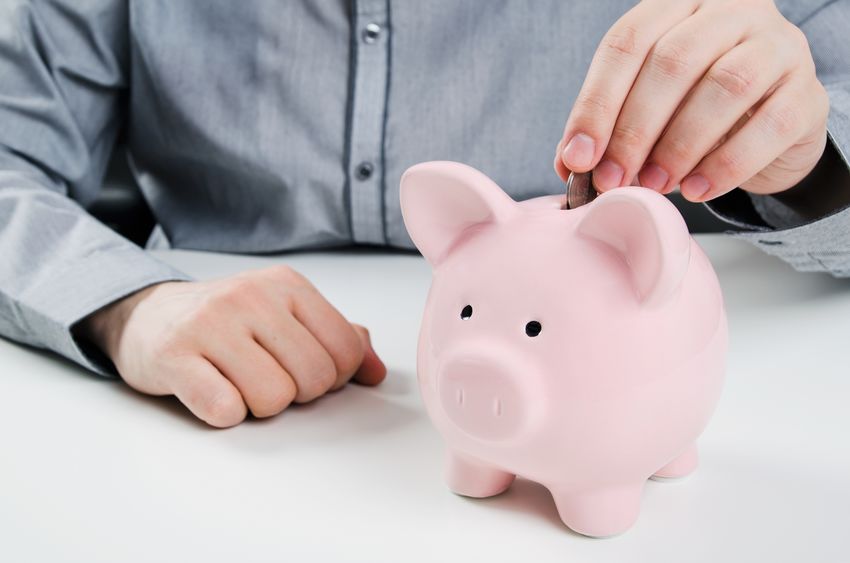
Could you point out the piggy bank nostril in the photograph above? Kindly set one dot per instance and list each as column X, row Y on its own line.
column 533, row 328
column 466, row 312
column 482, row 399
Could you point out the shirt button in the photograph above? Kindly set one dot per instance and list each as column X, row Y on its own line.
column 364, row 171
column 371, row 33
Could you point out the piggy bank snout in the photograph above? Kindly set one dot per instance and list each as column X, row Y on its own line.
column 483, row 398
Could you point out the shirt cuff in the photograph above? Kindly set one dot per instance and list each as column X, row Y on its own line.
column 822, row 245
column 87, row 285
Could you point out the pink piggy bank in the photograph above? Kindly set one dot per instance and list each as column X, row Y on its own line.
column 583, row 349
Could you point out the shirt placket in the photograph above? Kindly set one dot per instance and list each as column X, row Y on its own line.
column 370, row 58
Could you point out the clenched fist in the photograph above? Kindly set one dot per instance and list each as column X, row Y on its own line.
column 706, row 94
column 257, row 341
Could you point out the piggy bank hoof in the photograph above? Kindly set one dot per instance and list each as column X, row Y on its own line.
column 680, row 467
column 473, row 479
column 600, row 514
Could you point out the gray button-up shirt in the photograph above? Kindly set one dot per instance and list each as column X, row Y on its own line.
column 262, row 126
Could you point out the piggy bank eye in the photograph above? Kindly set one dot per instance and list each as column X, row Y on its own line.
column 533, row 328
column 466, row 312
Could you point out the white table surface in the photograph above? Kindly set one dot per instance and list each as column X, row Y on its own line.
column 92, row 471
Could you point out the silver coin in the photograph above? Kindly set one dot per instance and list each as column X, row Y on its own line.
column 580, row 190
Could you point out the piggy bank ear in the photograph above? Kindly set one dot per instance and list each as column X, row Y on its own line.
column 648, row 232
column 443, row 201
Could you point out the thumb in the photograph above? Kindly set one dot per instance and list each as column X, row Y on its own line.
column 372, row 370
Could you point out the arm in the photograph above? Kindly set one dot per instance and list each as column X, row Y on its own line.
column 253, row 342
column 63, row 67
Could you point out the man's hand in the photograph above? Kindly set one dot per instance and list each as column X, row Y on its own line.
column 709, row 94
column 257, row 341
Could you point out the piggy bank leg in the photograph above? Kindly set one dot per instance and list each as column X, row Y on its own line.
column 682, row 466
column 600, row 513
column 474, row 479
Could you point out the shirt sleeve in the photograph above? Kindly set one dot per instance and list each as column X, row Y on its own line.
column 786, row 226
column 62, row 82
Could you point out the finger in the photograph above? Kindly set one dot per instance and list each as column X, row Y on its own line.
column 206, row 392
column 333, row 332
column 319, row 317
column 265, row 384
column 613, row 70
column 372, row 370
column 298, row 351
column 674, row 65
column 735, row 83
column 777, row 125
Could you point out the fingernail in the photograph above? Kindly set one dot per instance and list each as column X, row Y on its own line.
column 578, row 154
column 694, row 187
column 653, row 176
column 608, row 174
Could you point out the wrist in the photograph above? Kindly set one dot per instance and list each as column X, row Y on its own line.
column 823, row 191
column 105, row 327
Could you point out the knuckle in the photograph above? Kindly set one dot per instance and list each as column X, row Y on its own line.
column 797, row 38
column 325, row 373
column 732, row 79
column 621, row 41
column 289, row 275
column 781, row 121
column 591, row 104
column 627, row 136
column 728, row 165
column 671, row 59
column 224, row 409
column 320, row 380
column 677, row 151
column 275, row 401
column 822, row 102
column 755, row 8
column 350, row 356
